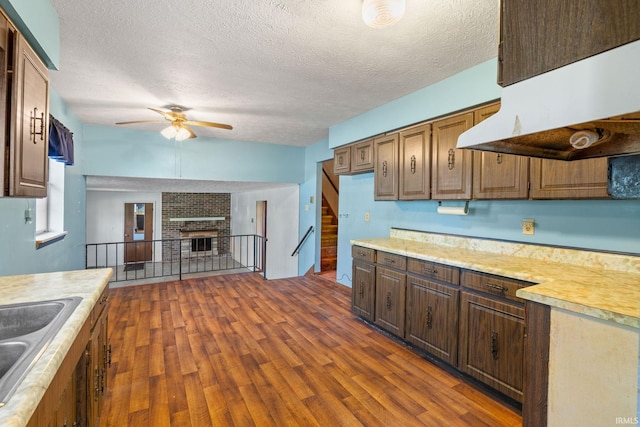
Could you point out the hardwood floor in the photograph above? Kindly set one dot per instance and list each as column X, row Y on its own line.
column 237, row 350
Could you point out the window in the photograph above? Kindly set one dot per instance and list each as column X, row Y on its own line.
column 50, row 210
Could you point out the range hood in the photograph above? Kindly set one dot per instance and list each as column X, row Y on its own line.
column 594, row 103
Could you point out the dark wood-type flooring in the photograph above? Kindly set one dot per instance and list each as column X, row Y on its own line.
column 237, row 350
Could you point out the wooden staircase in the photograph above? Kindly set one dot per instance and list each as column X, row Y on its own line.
column 328, row 239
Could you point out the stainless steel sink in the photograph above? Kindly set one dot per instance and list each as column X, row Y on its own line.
column 26, row 329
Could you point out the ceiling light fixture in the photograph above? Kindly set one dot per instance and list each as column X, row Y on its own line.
column 382, row 13
column 177, row 131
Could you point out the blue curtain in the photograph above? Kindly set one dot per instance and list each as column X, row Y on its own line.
column 60, row 142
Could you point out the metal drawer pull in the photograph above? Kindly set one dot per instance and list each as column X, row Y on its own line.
column 390, row 260
column 451, row 161
column 498, row 288
column 429, row 317
column 388, row 301
column 384, row 168
column 429, row 271
column 494, row 345
column 413, row 164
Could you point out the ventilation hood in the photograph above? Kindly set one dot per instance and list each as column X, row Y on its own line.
column 594, row 102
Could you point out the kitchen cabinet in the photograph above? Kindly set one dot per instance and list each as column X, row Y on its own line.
column 385, row 174
column 497, row 175
column 579, row 179
column 390, row 292
column 415, row 163
column 362, row 155
column 491, row 339
column 27, row 129
column 354, row 158
column 432, row 308
column 451, row 168
column 528, row 49
column 342, row 160
column 364, row 282
column 98, row 359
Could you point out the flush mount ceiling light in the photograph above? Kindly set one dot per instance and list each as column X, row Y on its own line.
column 382, row 13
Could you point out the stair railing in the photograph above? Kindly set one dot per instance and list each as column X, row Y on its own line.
column 304, row 238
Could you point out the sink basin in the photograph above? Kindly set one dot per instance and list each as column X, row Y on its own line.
column 26, row 329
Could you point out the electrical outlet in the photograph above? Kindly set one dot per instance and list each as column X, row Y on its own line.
column 366, row 216
column 528, row 226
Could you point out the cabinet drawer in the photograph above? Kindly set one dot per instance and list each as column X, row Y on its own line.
column 433, row 270
column 364, row 254
column 101, row 304
column 493, row 285
column 398, row 262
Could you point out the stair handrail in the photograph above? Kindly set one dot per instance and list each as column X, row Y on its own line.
column 304, row 238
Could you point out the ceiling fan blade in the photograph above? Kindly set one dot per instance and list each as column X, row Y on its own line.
column 166, row 114
column 208, row 124
column 191, row 134
column 139, row 121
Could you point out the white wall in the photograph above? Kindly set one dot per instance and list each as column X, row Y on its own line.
column 105, row 220
column 282, row 226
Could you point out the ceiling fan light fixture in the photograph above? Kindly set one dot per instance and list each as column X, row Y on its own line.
column 382, row 13
column 182, row 134
column 169, row 132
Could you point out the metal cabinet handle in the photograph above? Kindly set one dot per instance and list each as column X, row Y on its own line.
column 494, row 345
column 494, row 287
column 451, row 162
column 361, row 291
column 429, row 317
column 33, row 115
column 390, row 260
column 429, row 271
column 389, row 301
column 384, row 168
column 413, row 164
column 499, row 159
column 362, row 155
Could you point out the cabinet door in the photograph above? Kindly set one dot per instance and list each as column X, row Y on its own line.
column 432, row 318
column 451, row 168
column 390, row 300
column 527, row 50
column 364, row 288
column 362, row 156
column 578, row 179
column 415, row 163
column 97, row 375
column 29, row 124
column 342, row 160
column 386, row 170
column 496, row 175
column 492, row 343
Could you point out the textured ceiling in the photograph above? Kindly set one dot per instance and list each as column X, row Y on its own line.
column 279, row 71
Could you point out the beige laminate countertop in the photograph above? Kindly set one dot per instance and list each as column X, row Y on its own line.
column 600, row 285
column 87, row 284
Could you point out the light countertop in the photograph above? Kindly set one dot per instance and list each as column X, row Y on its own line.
column 596, row 284
column 87, row 284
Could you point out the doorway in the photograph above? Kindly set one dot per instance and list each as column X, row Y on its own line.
column 329, row 218
column 138, row 232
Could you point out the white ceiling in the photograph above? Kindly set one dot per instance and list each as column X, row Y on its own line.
column 279, row 71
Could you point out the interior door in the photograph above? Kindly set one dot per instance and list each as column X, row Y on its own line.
column 138, row 232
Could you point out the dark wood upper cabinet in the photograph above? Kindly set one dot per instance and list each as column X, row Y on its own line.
column 415, row 163
column 342, row 160
column 362, row 156
column 542, row 35
column 386, row 169
column 497, row 175
column 25, row 93
column 579, row 179
column 451, row 167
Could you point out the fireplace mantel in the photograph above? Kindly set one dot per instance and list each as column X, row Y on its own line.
column 204, row 218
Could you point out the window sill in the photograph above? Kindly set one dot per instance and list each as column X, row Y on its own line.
column 44, row 239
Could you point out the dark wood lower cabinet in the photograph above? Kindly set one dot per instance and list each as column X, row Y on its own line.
column 492, row 342
column 432, row 318
column 364, row 289
column 390, row 300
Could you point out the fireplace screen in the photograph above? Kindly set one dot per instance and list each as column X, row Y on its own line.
column 201, row 244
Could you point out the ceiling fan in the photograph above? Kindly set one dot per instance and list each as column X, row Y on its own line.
column 179, row 124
